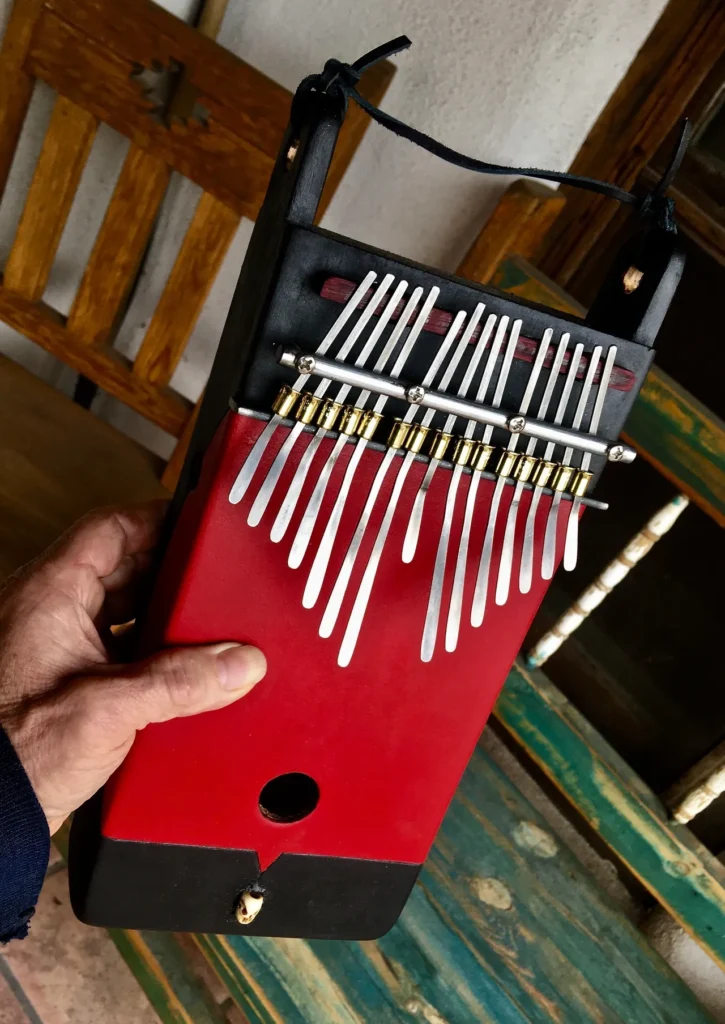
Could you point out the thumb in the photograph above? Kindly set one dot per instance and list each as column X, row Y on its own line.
column 175, row 683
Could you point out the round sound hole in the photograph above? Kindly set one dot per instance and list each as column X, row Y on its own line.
column 289, row 797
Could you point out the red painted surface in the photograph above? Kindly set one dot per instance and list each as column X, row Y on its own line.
column 386, row 739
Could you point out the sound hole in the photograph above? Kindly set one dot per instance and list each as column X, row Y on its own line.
column 289, row 797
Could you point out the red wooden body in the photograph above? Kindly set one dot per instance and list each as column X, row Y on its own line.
column 386, row 739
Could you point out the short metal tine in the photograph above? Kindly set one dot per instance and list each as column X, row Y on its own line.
column 505, row 566
column 319, row 566
column 456, row 601
column 526, row 567
column 244, row 477
column 549, row 557
column 309, row 518
column 571, row 545
column 357, row 615
column 265, row 492
column 289, row 504
column 411, row 535
column 480, row 593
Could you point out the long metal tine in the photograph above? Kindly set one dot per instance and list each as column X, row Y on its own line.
column 526, row 568
column 309, row 518
column 357, row 615
column 549, row 556
column 480, row 593
column 456, row 603
column 265, row 492
column 571, row 544
column 430, row 628
column 507, row 551
column 244, row 477
column 416, row 515
column 286, row 510
column 319, row 566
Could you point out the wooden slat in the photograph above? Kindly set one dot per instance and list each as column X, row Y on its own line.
column 677, row 434
column 373, row 86
column 16, row 84
column 119, row 247
column 503, row 926
column 205, row 244
column 66, row 147
column 175, row 464
column 676, row 58
column 518, row 224
column 111, row 370
column 218, row 156
column 684, row 877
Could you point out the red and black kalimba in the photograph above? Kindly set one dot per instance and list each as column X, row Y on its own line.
column 388, row 466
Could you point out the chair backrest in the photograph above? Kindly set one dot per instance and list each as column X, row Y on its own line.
column 187, row 105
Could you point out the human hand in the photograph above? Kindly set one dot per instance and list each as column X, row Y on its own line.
column 69, row 711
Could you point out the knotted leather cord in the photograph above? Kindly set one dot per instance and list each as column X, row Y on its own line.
column 340, row 80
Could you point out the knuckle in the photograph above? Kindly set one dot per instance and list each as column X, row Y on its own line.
column 182, row 676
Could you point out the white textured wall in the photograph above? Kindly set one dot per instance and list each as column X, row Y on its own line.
column 513, row 81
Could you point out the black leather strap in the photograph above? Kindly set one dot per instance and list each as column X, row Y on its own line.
column 340, row 79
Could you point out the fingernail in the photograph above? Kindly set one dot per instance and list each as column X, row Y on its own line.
column 239, row 667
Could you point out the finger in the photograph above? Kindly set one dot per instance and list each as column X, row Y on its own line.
column 176, row 683
column 94, row 554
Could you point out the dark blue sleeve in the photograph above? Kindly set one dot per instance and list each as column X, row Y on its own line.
column 24, row 845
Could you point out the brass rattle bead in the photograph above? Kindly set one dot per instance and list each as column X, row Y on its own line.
column 398, row 433
column 562, row 478
column 439, row 444
column 368, row 424
column 542, row 472
column 328, row 414
column 481, row 456
column 463, row 451
column 416, row 437
column 285, row 401
column 506, row 463
column 350, row 420
column 307, row 408
column 580, row 483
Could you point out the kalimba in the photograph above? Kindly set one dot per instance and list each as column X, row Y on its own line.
column 388, row 466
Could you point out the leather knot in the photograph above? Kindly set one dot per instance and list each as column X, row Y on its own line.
column 337, row 75
column 659, row 209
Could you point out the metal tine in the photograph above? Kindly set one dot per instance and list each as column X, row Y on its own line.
column 322, row 558
column 456, row 603
column 430, row 629
column 549, row 556
column 338, row 592
column 244, row 477
column 480, row 593
column 411, row 534
column 289, row 504
column 526, row 568
column 571, row 545
column 266, row 491
column 357, row 615
column 505, row 565
column 309, row 518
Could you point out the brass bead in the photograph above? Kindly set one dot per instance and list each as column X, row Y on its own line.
column 328, row 414
column 439, row 444
column 562, row 477
column 524, row 467
column 542, row 473
column 398, row 433
column 285, row 401
column 368, row 424
column 481, row 456
column 580, row 483
column 416, row 437
column 506, row 463
column 307, row 408
column 350, row 420
column 463, row 451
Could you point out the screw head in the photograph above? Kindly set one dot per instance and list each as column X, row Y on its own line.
column 516, row 424
column 616, row 452
column 415, row 394
column 306, row 364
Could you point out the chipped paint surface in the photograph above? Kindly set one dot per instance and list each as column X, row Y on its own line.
column 530, row 836
column 493, row 892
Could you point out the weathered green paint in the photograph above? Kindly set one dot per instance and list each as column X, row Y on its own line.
column 504, row 927
column 682, row 874
column 680, row 436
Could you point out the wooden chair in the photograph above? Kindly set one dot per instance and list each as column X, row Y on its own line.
column 187, row 105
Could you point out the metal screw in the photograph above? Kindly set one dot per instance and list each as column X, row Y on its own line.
column 415, row 394
column 516, row 424
column 615, row 453
column 306, row 364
